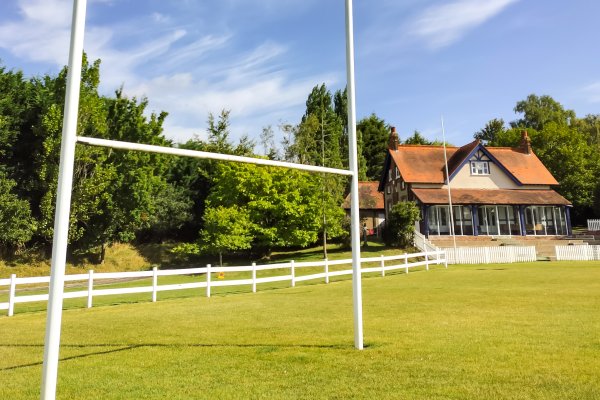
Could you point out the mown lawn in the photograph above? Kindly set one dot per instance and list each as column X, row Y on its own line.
column 518, row 331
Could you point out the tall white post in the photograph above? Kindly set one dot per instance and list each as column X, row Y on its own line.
column 63, row 204
column 354, row 206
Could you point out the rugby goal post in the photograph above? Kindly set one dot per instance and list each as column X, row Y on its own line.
column 65, row 186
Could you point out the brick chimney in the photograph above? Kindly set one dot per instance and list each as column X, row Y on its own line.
column 525, row 143
column 394, row 140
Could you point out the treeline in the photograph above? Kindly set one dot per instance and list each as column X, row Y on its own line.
column 568, row 146
column 125, row 196
column 219, row 207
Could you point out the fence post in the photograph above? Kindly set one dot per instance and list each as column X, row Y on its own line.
column 326, row 270
column 426, row 259
column 382, row 263
column 90, row 288
column 253, row 277
column 293, row 271
column 406, row 263
column 11, row 294
column 207, row 280
column 487, row 255
column 446, row 258
column 154, row 283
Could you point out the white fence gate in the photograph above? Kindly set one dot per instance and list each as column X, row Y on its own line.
column 490, row 255
column 583, row 252
column 593, row 225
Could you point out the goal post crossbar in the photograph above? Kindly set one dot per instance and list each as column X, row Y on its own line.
column 115, row 144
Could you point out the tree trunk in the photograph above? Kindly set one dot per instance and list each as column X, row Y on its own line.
column 102, row 253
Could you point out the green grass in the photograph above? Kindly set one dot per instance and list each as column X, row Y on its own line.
column 515, row 331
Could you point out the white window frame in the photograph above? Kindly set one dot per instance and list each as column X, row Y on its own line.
column 480, row 167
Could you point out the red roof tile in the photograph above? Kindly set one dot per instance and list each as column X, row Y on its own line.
column 425, row 164
column 368, row 197
column 491, row 196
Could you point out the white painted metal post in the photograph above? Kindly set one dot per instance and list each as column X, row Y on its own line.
column 426, row 259
column 293, row 272
column 406, row 263
column 207, row 280
column 154, row 283
column 63, row 204
column 90, row 288
column 11, row 295
column 253, row 277
column 382, row 265
column 354, row 206
column 326, row 270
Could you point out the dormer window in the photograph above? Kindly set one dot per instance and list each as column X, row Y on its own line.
column 397, row 173
column 480, row 167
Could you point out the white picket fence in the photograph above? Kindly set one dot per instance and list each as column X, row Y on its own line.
column 584, row 252
column 593, row 225
column 206, row 279
column 490, row 255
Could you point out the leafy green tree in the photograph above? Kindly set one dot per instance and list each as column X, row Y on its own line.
column 491, row 130
column 16, row 223
column 417, row 138
column 400, row 224
column 374, row 134
column 540, row 110
column 281, row 207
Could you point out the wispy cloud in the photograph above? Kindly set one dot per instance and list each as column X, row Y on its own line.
column 442, row 25
column 181, row 68
column 592, row 92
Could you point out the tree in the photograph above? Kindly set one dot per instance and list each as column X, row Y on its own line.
column 401, row 223
column 374, row 133
column 16, row 224
column 280, row 207
column 418, row 139
column 491, row 130
column 539, row 111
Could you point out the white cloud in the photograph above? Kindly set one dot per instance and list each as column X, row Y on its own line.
column 186, row 72
column 592, row 92
column 442, row 25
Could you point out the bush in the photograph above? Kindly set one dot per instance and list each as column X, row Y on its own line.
column 400, row 225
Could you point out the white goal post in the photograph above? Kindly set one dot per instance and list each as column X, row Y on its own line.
column 65, row 186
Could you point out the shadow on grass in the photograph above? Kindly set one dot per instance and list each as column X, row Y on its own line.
column 127, row 347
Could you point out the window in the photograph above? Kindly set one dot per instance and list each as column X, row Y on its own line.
column 390, row 175
column 397, row 173
column 480, row 168
column 389, row 189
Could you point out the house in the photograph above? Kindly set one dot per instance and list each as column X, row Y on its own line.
column 495, row 191
column 371, row 206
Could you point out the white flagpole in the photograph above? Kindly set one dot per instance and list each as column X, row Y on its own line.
column 63, row 204
column 354, row 206
column 449, row 191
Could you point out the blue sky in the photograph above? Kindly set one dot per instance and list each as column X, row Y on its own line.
column 468, row 60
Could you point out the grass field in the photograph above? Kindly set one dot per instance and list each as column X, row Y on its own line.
column 518, row 331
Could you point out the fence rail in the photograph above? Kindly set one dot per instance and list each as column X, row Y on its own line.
column 593, row 225
column 491, row 255
column 206, row 280
column 584, row 252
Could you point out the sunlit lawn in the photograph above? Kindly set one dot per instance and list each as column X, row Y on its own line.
column 518, row 331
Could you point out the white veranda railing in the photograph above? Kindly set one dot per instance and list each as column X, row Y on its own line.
column 206, row 280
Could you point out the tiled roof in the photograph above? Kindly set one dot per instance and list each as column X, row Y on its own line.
column 425, row 164
column 491, row 196
column 368, row 197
